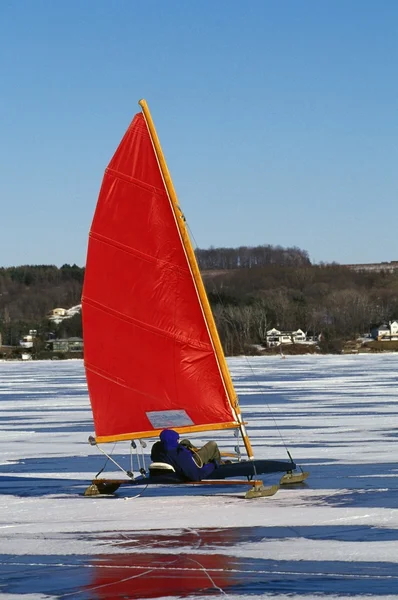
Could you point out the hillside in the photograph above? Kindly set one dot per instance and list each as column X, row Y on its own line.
column 333, row 300
column 250, row 289
column 29, row 292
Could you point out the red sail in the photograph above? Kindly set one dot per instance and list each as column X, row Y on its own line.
column 149, row 358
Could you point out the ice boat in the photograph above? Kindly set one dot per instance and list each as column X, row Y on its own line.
column 153, row 357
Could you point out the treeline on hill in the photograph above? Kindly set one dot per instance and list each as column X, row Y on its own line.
column 251, row 290
column 247, row 257
column 29, row 292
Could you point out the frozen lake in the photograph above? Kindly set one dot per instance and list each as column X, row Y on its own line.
column 336, row 536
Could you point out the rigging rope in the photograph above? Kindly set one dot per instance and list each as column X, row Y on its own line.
column 106, row 462
column 109, row 457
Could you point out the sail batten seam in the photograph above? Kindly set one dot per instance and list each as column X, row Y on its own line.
column 134, row 252
column 129, row 179
column 194, row 344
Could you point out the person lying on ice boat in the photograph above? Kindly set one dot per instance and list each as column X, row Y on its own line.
column 189, row 463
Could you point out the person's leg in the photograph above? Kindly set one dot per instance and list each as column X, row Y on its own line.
column 187, row 444
column 208, row 452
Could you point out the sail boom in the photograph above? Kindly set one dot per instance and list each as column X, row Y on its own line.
column 138, row 435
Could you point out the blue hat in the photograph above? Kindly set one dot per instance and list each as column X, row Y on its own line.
column 170, row 438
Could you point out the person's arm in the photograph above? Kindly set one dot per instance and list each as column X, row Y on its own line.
column 188, row 465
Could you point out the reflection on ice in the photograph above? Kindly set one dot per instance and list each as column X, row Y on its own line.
column 145, row 573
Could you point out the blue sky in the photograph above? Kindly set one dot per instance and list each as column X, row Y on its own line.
column 278, row 120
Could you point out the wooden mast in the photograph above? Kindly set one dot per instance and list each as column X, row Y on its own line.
column 200, row 289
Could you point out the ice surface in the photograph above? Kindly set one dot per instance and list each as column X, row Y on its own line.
column 336, row 536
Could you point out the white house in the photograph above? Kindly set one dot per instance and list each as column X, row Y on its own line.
column 386, row 333
column 59, row 314
column 27, row 340
column 274, row 337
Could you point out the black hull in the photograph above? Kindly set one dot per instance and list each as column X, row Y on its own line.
column 252, row 468
column 247, row 468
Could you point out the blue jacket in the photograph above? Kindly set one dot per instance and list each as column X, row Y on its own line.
column 179, row 457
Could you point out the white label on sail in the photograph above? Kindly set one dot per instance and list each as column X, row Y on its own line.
column 160, row 419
